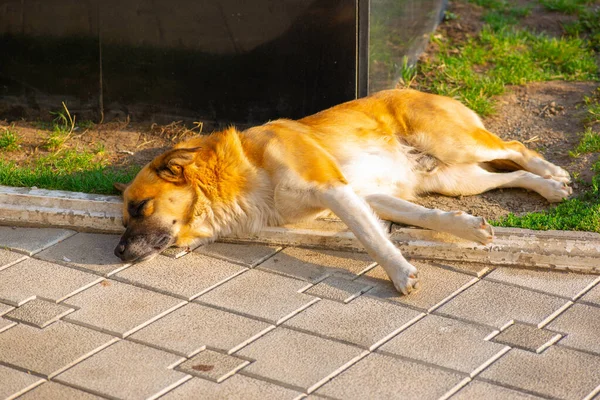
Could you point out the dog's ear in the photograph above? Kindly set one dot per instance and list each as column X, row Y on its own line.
column 170, row 165
column 120, row 186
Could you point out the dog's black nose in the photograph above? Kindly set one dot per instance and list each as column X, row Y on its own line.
column 120, row 250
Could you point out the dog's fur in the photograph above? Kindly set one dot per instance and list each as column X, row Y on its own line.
column 372, row 154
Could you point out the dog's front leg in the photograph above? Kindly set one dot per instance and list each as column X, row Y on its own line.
column 361, row 220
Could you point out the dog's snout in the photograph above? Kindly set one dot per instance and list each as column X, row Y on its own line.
column 163, row 241
column 120, row 250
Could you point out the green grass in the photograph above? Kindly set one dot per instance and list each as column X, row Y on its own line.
column 9, row 140
column 578, row 214
column 566, row 6
column 483, row 66
column 80, row 171
column 590, row 143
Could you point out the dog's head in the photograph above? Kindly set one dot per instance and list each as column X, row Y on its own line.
column 158, row 206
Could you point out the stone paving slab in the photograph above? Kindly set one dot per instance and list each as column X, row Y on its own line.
column 248, row 255
column 118, row 308
column 436, row 285
column 394, row 379
column 89, row 251
column 13, row 382
column 557, row 372
column 4, row 308
column 314, row 265
column 447, row 343
column 186, row 278
column 477, row 390
column 296, row 359
column 593, row 296
column 212, row 365
column 56, row 391
column 8, row 258
column 471, row 268
column 581, row 323
column 6, row 324
column 51, row 350
column 496, row 304
column 236, row 387
column 527, row 337
column 39, row 313
column 31, row 240
column 30, row 278
column 338, row 288
column 557, row 283
column 259, row 294
column 193, row 327
column 126, row 370
column 365, row 322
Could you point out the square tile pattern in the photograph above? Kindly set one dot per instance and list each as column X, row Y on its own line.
column 56, row 391
column 527, row 337
column 118, row 308
column 126, row 370
column 39, row 313
column 193, row 327
column 338, row 288
column 248, row 255
column 13, row 382
column 8, row 258
column 314, row 265
column 581, row 324
column 31, row 240
column 90, row 251
column 186, row 277
column 213, row 366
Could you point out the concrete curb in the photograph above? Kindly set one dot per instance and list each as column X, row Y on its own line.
column 565, row 250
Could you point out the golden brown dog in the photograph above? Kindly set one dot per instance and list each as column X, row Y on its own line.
column 372, row 154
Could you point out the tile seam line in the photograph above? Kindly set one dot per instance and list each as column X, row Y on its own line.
column 517, row 389
column 540, row 291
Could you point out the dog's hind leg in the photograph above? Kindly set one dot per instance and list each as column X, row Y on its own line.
column 468, row 180
column 457, row 223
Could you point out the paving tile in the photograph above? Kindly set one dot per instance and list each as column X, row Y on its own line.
column 314, row 265
column 446, row 342
column 248, row 255
column 126, row 370
column 471, row 268
column 31, row 240
column 8, row 258
column 176, row 252
column 236, row 387
column 51, row 350
column 13, row 382
column 4, row 308
column 192, row 327
column 260, row 294
column 593, row 296
column 436, row 285
column 382, row 377
column 338, row 288
column 30, row 278
column 496, row 304
column 477, row 390
column 118, row 308
column 186, row 277
column 212, row 365
column 365, row 322
column 90, row 251
column 527, row 337
column 581, row 323
column 558, row 283
column 56, row 391
column 5, row 324
column 557, row 372
column 39, row 313
column 296, row 358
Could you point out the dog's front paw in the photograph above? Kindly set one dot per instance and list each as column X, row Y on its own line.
column 405, row 279
column 556, row 191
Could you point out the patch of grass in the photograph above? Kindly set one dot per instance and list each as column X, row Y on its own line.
column 480, row 68
column 566, row 6
column 589, row 143
column 62, row 128
column 80, row 171
column 9, row 139
column 579, row 214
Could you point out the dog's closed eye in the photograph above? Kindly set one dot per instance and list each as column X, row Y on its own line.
column 136, row 209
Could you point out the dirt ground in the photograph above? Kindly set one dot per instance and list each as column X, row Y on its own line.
column 547, row 116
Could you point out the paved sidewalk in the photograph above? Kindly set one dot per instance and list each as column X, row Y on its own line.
column 248, row 321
